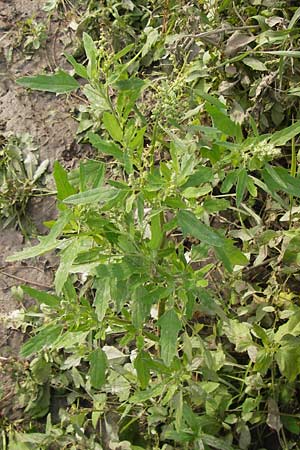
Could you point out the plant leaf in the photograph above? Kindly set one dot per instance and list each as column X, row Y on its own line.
column 80, row 70
column 98, row 195
column 189, row 224
column 42, row 296
column 112, row 126
column 91, row 53
column 98, row 366
column 283, row 136
column 43, row 339
column 47, row 243
column 141, row 364
column 102, row 298
column 59, row 83
column 109, row 148
column 63, row 186
column 67, row 257
column 241, row 186
column 169, row 325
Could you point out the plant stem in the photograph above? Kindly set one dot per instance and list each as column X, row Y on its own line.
column 293, row 174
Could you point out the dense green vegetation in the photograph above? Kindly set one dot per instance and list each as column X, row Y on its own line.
column 174, row 317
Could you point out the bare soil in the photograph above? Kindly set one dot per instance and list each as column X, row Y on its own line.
column 48, row 119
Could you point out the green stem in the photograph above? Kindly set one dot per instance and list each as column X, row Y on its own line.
column 293, row 174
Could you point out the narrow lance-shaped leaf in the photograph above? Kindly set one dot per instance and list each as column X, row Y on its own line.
column 189, row 224
column 63, row 186
column 67, row 257
column 91, row 53
column 283, row 136
column 42, row 296
column 169, row 325
column 141, row 365
column 102, row 297
column 44, row 339
column 98, row 195
column 98, row 366
column 279, row 179
column 79, row 68
column 109, row 148
column 156, row 232
column 59, row 83
column 47, row 243
column 241, row 186
column 112, row 125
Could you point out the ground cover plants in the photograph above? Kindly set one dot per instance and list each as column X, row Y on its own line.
column 173, row 322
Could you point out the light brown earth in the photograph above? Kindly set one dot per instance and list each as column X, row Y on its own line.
column 48, row 119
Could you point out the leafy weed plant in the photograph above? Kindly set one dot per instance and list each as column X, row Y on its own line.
column 174, row 302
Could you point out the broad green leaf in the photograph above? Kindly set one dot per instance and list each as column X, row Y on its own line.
column 202, row 175
column 132, row 84
column 91, row 53
column 177, row 401
column 80, row 70
column 123, row 52
column 169, row 325
column 212, row 205
column 190, row 225
column 241, row 186
column 291, row 327
column 223, row 122
column 215, row 442
column 109, row 148
column 47, row 243
column 152, row 36
column 43, row 339
column 238, row 334
column 102, row 297
column 71, row 340
column 141, row 364
column 98, row 195
column 288, row 357
column 231, row 256
column 98, row 366
column 59, row 83
column 40, row 369
column 96, row 97
column 292, row 424
column 292, row 251
column 63, row 186
column 42, row 296
column 141, row 306
column 283, row 136
column 229, row 181
column 279, row 179
column 91, row 174
column 196, row 192
column 152, row 392
column 156, row 232
column 180, row 436
column 67, row 257
column 263, row 361
column 255, row 64
column 112, row 125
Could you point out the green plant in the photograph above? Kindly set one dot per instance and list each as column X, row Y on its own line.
column 20, row 174
column 31, row 34
column 174, row 298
